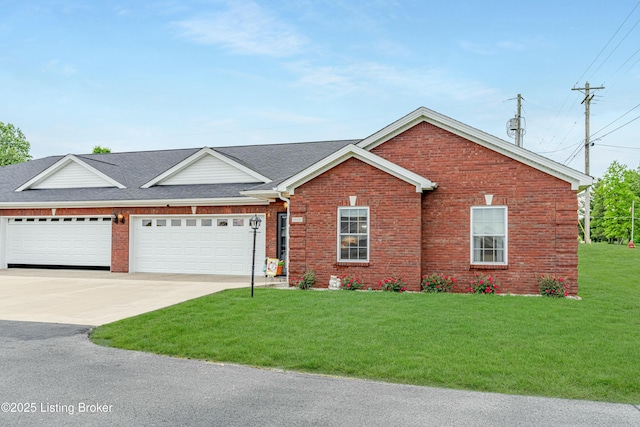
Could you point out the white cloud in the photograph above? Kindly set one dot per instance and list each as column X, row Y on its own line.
column 288, row 117
column 56, row 67
column 373, row 78
column 244, row 28
column 490, row 49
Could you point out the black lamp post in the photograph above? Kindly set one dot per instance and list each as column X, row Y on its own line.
column 254, row 223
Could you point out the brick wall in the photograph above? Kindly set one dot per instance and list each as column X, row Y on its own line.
column 395, row 224
column 542, row 210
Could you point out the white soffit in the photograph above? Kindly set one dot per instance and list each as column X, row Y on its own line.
column 207, row 167
column 69, row 172
column 577, row 179
column 365, row 156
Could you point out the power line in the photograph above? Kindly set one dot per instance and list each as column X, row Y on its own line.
column 615, row 48
column 575, row 152
column 616, row 120
column 607, row 44
column 620, row 127
column 626, row 147
column 625, row 63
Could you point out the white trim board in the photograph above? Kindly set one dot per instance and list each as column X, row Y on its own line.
column 207, row 174
column 578, row 180
column 352, row 151
column 77, row 174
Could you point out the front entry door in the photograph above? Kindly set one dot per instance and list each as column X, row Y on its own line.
column 282, row 239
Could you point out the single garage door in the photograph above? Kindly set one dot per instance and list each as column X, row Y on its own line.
column 196, row 245
column 59, row 242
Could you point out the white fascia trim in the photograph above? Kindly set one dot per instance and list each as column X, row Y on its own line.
column 59, row 165
column 223, row 201
column 195, row 157
column 347, row 152
column 270, row 195
column 577, row 179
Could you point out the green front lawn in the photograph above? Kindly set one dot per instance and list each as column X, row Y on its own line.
column 587, row 349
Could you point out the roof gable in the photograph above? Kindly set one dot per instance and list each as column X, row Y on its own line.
column 577, row 179
column 69, row 172
column 353, row 151
column 207, row 167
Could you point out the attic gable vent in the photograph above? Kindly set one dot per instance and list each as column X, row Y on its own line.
column 69, row 172
column 207, row 167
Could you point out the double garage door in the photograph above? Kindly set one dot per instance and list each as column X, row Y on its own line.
column 167, row 244
column 59, row 241
column 196, row 245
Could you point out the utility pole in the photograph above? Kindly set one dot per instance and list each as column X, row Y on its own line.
column 587, row 144
column 518, row 117
column 514, row 125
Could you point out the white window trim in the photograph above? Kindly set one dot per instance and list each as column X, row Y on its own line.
column 506, row 236
column 338, row 251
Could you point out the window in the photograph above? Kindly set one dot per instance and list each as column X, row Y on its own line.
column 161, row 223
column 489, row 235
column 176, row 222
column 206, row 223
column 353, row 234
column 238, row 222
column 222, row 222
column 191, row 222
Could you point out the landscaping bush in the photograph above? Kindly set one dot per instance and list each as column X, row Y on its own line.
column 552, row 286
column 484, row 285
column 307, row 281
column 393, row 284
column 350, row 283
column 438, row 283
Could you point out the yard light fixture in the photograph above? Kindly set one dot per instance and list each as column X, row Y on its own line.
column 254, row 223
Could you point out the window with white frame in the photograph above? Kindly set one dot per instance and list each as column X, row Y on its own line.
column 489, row 235
column 353, row 234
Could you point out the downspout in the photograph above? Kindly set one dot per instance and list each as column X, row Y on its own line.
column 288, row 203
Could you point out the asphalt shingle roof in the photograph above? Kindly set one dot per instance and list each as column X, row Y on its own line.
column 134, row 169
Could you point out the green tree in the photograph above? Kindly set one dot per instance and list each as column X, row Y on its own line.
column 616, row 196
column 101, row 150
column 597, row 212
column 14, row 147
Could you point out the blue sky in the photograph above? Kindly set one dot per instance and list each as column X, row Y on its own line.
column 143, row 75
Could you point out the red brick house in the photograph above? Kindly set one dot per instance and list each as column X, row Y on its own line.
column 426, row 194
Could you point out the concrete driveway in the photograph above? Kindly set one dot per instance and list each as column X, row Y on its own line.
column 96, row 297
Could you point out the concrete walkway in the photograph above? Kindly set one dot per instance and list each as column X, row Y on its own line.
column 96, row 297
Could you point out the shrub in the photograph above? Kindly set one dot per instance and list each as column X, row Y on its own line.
column 552, row 286
column 307, row 281
column 350, row 283
column 484, row 285
column 438, row 283
column 393, row 284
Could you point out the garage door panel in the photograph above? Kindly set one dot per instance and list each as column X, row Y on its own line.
column 51, row 241
column 206, row 245
column 237, row 252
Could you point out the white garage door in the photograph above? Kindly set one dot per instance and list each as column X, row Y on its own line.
column 196, row 245
column 59, row 241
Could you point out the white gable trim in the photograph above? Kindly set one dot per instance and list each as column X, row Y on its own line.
column 349, row 151
column 62, row 163
column 578, row 180
column 183, row 165
column 221, row 201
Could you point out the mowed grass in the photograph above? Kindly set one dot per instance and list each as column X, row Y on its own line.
column 588, row 349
